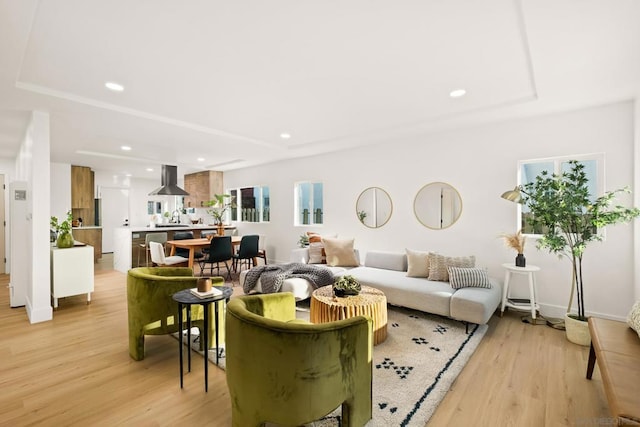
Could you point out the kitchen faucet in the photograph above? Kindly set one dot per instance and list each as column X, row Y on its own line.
column 175, row 217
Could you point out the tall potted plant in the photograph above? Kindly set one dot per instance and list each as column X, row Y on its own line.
column 570, row 218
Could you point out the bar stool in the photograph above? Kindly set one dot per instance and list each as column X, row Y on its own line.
column 532, row 303
column 160, row 237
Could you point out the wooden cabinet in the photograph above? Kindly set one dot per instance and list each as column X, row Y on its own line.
column 92, row 237
column 82, row 194
column 202, row 186
column 81, row 187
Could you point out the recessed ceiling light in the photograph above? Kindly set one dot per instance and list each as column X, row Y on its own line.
column 201, row 159
column 128, row 175
column 285, row 135
column 125, row 148
column 457, row 93
column 149, row 169
column 116, row 87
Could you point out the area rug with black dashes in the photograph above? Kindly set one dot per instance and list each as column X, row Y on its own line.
column 413, row 368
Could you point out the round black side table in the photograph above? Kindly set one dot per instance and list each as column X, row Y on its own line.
column 185, row 298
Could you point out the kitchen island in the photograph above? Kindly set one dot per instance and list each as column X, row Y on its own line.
column 127, row 241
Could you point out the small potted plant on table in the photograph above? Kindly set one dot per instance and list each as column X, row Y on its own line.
column 346, row 285
column 63, row 230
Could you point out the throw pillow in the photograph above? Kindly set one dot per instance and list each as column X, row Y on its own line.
column 438, row 265
column 317, row 254
column 418, row 263
column 460, row 277
column 340, row 252
column 634, row 317
column 314, row 237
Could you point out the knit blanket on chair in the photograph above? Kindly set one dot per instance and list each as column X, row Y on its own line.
column 273, row 275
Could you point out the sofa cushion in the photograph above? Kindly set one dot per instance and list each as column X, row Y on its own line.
column 634, row 317
column 386, row 260
column 417, row 263
column 340, row 252
column 438, row 265
column 460, row 277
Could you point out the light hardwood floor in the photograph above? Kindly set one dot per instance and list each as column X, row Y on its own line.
column 76, row 370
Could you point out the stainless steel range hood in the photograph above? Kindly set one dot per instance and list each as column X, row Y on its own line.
column 169, row 182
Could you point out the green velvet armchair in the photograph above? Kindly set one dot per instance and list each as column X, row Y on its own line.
column 290, row 372
column 152, row 310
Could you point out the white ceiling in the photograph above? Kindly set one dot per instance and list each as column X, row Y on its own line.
column 222, row 80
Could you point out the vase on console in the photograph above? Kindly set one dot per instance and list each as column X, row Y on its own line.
column 65, row 240
column 516, row 241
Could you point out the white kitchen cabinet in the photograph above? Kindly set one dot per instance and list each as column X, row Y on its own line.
column 71, row 272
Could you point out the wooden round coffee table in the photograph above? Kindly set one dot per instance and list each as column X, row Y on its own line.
column 325, row 307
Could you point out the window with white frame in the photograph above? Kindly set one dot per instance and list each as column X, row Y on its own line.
column 251, row 204
column 308, row 203
column 528, row 170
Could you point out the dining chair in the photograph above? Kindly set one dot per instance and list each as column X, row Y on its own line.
column 247, row 252
column 184, row 235
column 220, row 251
column 150, row 237
column 206, row 233
column 159, row 259
column 262, row 247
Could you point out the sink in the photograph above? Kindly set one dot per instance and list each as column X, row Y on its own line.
column 171, row 225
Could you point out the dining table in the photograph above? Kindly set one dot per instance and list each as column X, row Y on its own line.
column 194, row 244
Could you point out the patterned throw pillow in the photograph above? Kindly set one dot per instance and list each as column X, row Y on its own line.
column 634, row 317
column 460, row 277
column 438, row 265
column 317, row 254
column 418, row 263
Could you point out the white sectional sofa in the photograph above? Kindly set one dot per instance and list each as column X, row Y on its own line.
column 387, row 271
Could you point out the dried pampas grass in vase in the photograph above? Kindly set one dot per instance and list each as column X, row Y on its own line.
column 516, row 242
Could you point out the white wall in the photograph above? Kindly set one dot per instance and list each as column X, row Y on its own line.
column 60, row 187
column 32, row 166
column 7, row 168
column 636, row 195
column 480, row 163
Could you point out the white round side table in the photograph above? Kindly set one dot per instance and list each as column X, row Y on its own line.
column 532, row 304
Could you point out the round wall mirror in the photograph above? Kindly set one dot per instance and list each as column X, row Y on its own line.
column 374, row 207
column 437, row 205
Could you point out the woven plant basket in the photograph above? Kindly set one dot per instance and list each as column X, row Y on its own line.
column 577, row 331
